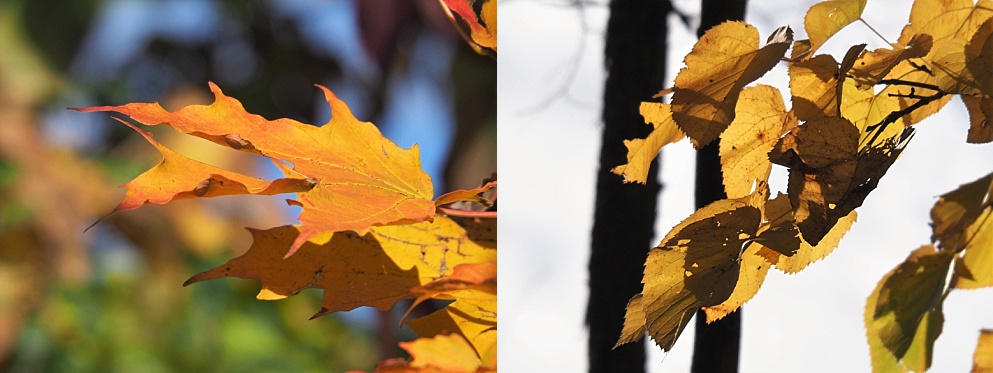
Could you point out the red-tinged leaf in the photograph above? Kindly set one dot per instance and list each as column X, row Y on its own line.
column 354, row 165
column 178, row 177
column 482, row 35
column 470, row 195
column 472, row 281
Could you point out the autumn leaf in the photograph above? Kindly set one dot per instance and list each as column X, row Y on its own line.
column 634, row 321
column 825, row 19
column 641, row 152
column 873, row 66
column 467, row 195
column 724, row 60
column 830, row 174
column 177, row 177
column 959, row 209
column 760, row 120
column 374, row 270
column 866, row 109
column 354, row 165
column 440, row 354
column 481, row 35
column 475, row 320
column 816, row 84
column 982, row 359
column 696, row 265
column 980, row 111
column 750, row 279
column 473, row 286
column 903, row 314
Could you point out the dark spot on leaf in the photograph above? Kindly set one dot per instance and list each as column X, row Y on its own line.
column 201, row 189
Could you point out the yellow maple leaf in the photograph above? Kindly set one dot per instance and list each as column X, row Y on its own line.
column 374, row 270
column 724, row 60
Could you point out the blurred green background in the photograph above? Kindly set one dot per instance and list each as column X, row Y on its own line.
column 111, row 299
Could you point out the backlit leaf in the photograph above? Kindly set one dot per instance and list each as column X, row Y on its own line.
column 724, row 60
column 695, row 266
column 786, row 250
column 634, row 322
column 874, row 65
column 178, row 177
column 826, row 18
column 442, row 353
column 813, row 84
column 760, row 119
column 374, row 270
column 982, row 358
column 482, row 34
column 980, row 111
column 354, row 165
column 475, row 320
column 641, row 152
column 750, row 279
column 904, row 311
column 974, row 269
column 957, row 210
column 830, row 175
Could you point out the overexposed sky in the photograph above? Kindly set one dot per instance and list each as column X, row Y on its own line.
column 548, row 151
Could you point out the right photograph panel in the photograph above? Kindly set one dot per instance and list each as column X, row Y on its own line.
column 667, row 165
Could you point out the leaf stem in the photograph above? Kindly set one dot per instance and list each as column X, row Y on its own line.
column 874, row 31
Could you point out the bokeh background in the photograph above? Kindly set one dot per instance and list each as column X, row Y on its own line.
column 551, row 79
column 111, row 299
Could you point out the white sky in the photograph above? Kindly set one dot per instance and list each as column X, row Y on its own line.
column 811, row 321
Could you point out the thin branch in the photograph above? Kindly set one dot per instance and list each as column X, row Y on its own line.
column 909, row 83
column 896, row 115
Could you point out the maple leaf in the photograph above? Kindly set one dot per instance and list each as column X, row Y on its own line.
column 440, row 354
column 177, row 177
column 354, row 165
column 475, row 320
column 481, row 35
column 473, row 315
column 725, row 59
column 903, row 315
column 825, row 19
column 375, row 270
column 641, row 152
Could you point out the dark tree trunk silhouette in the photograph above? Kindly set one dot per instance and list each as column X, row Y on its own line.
column 717, row 345
column 624, row 216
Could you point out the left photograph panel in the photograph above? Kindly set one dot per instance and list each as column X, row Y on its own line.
column 248, row 186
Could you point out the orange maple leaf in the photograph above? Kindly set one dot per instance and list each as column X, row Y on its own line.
column 361, row 178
